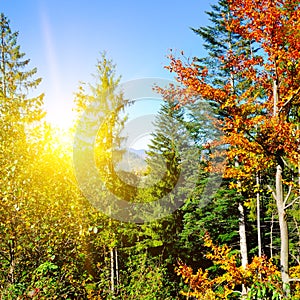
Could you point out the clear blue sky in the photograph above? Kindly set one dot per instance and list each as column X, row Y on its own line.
column 63, row 39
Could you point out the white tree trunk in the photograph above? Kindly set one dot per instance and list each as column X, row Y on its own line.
column 258, row 217
column 243, row 237
column 280, row 203
column 284, row 236
column 117, row 266
column 112, row 271
column 243, row 241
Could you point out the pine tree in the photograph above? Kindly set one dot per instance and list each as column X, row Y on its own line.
column 97, row 150
column 17, row 112
column 16, row 80
column 172, row 161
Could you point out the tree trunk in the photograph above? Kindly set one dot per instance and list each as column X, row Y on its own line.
column 243, row 237
column 284, row 236
column 243, row 241
column 242, row 232
column 271, row 236
column 258, row 217
column 280, row 203
column 117, row 266
column 112, row 271
column 275, row 98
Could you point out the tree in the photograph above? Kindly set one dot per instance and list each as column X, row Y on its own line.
column 17, row 112
column 168, row 178
column 100, row 122
column 276, row 32
column 261, row 121
column 164, row 154
column 16, row 80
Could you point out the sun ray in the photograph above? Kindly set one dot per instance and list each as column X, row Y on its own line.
column 58, row 112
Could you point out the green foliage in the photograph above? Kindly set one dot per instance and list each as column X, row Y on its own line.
column 264, row 291
column 146, row 279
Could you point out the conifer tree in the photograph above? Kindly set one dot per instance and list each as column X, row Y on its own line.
column 172, row 156
column 17, row 111
column 164, row 146
column 16, row 79
column 97, row 150
column 219, row 41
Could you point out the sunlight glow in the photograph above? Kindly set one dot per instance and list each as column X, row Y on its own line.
column 141, row 143
column 60, row 117
column 59, row 112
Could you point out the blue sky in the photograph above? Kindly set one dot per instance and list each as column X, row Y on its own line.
column 63, row 39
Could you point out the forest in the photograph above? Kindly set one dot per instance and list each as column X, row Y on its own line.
column 223, row 162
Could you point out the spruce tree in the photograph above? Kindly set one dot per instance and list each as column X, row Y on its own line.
column 171, row 152
column 16, row 79
column 17, row 113
column 164, row 154
column 98, row 140
column 97, row 149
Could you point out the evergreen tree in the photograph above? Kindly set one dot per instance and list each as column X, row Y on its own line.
column 98, row 131
column 164, row 154
column 96, row 153
column 17, row 112
column 218, row 41
column 170, row 176
column 16, row 80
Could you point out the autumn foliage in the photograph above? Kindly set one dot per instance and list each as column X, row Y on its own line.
column 258, row 124
column 261, row 272
column 259, row 101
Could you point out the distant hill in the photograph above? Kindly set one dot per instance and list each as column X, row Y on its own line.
column 140, row 152
column 133, row 160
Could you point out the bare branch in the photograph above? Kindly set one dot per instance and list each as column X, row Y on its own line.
column 288, row 195
column 295, row 258
column 273, row 193
column 294, row 279
column 292, row 203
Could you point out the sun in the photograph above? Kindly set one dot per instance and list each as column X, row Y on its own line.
column 61, row 117
column 61, row 122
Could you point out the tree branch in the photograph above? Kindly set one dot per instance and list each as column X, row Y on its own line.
column 294, row 279
column 273, row 193
column 292, row 203
column 288, row 195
